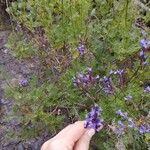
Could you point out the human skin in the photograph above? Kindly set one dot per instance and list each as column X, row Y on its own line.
column 72, row 137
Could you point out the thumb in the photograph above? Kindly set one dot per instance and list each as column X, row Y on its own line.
column 84, row 141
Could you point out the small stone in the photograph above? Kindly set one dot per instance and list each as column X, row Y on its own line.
column 5, row 51
column 36, row 145
column 20, row 147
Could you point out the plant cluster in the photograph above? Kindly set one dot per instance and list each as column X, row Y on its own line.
column 106, row 65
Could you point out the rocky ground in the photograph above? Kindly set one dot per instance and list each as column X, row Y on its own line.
column 11, row 71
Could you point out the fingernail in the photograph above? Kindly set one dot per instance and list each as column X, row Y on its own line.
column 91, row 132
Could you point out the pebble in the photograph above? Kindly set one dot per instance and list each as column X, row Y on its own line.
column 20, row 147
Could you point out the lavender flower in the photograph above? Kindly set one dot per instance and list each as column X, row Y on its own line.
column 128, row 98
column 121, row 127
column 124, row 115
column 120, row 130
column 93, row 120
column 131, row 123
column 23, row 82
column 90, row 71
column 145, row 43
column 107, row 85
column 119, row 71
column 144, row 129
column 85, row 80
column 81, row 49
column 147, row 89
column 145, row 63
column 121, row 75
column 143, row 57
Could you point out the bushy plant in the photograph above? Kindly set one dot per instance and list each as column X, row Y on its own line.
column 63, row 21
column 106, row 66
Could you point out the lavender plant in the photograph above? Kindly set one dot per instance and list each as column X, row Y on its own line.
column 118, row 79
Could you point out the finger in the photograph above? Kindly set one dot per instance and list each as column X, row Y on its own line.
column 51, row 143
column 72, row 132
column 84, row 141
column 59, row 135
column 67, row 137
column 64, row 131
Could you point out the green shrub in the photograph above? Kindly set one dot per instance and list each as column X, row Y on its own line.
column 62, row 21
column 108, row 25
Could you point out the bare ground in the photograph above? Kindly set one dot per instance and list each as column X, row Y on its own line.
column 12, row 70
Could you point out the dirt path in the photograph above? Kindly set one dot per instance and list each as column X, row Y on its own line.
column 12, row 70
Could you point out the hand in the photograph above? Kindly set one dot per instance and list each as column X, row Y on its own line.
column 72, row 137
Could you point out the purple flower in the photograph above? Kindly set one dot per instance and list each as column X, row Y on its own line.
column 131, row 123
column 76, row 82
column 81, row 49
column 143, row 58
column 145, row 43
column 107, row 85
column 144, row 129
column 145, row 63
column 147, row 89
column 85, row 80
column 23, row 82
column 141, row 53
column 121, row 75
column 124, row 115
column 90, row 70
column 93, row 120
column 128, row 98
column 118, row 112
column 120, row 130
column 119, row 71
